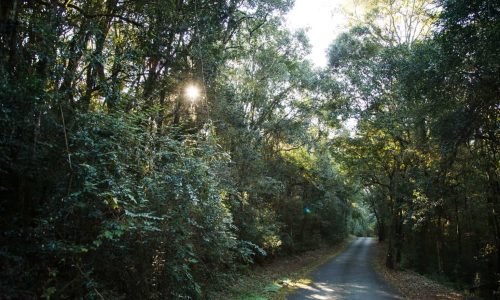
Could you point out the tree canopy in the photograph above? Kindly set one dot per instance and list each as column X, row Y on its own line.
column 118, row 184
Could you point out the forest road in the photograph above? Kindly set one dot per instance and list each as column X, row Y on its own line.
column 350, row 275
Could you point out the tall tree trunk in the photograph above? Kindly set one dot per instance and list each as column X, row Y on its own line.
column 396, row 229
column 95, row 69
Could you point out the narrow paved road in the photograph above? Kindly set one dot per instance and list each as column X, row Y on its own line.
column 348, row 276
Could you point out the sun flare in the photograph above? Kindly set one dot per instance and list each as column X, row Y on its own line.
column 192, row 92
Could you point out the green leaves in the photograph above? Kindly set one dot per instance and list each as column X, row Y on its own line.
column 425, row 133
column 273, row 288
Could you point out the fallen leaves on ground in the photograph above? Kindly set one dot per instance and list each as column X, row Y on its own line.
column 411, row 284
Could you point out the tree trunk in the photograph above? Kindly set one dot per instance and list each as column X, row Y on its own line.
column 381, row 230
column 395, row 241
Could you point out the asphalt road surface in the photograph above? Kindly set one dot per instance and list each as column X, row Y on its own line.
column 350, row 275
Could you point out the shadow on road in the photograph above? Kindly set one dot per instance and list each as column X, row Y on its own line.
column 349, row 276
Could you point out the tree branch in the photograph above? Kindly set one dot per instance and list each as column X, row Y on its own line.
column 89, row 15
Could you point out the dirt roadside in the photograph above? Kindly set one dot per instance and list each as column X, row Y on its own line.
column 411, row 284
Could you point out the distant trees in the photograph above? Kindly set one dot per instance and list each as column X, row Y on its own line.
column 426, row 147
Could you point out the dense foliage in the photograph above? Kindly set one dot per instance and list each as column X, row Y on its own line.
column 427, row 140
column 115, row 184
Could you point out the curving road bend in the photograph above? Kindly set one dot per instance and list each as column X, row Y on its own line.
column 348, row 276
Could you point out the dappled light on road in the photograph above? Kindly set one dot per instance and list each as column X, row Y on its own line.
column 349, row 276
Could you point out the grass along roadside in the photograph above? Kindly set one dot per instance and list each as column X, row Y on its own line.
column 411, row 284
column 281, row 277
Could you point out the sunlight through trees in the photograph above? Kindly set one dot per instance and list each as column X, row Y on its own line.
column 155, row 149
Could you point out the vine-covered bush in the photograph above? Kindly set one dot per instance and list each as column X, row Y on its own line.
column 144, row 216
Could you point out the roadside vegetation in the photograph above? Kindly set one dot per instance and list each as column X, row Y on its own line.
column 412, row 285
column 163, row 149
